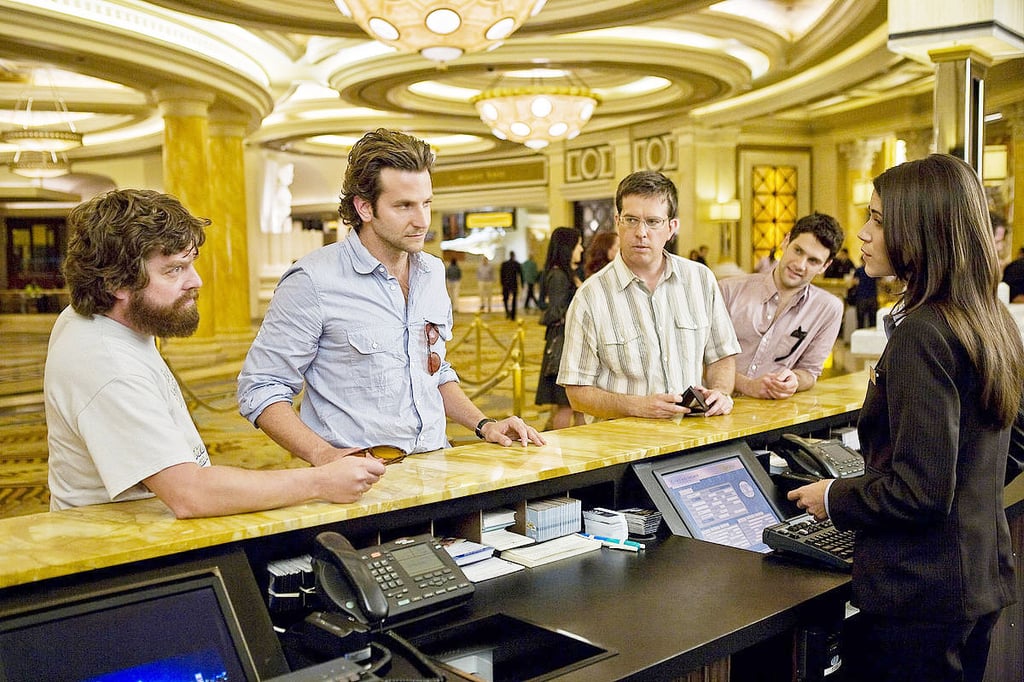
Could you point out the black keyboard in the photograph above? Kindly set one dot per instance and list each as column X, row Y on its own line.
column 819, row 541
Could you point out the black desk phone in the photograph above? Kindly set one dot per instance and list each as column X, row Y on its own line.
column 400, row 579
column 824, row 459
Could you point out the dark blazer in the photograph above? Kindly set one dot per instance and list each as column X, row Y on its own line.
column 932, row 541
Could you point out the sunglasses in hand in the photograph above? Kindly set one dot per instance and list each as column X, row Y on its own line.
column 389, row 454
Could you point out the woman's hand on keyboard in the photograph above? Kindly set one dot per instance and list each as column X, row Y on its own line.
column 811, row 498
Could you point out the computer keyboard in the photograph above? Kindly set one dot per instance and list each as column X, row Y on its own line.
column 818, row 541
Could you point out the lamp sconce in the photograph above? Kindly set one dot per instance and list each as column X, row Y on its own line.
column 994, row 163
column 862, row 190
column 727, row 215
column 724, row 211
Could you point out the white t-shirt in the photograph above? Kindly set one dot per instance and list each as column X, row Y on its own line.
column 114, row 413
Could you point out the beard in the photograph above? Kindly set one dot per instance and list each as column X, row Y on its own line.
column 181, row 318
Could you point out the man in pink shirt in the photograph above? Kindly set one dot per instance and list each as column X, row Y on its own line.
column 785, row 325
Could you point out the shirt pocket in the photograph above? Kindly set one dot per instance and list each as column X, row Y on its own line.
column 620, row 350
column 373, row 353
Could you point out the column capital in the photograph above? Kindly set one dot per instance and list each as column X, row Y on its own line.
column 1014, row 115
column 180, row 100
column 860, row 154
column 228, row 123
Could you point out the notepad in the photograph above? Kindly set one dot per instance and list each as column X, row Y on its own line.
column 551, row 550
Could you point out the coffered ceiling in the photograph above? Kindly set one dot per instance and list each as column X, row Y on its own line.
column 304, row 78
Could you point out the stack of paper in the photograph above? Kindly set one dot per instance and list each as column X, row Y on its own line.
column 466, row 552
column 642, row 521
column 605, row 523
column 495, row 519
column 552, row 550
column 504, row 539
column 490, row 568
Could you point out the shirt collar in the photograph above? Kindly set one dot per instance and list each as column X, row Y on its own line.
column 366, row 263
column 770, row 290
column 624, row 276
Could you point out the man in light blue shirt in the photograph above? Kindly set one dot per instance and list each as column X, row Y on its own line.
column 362, row 323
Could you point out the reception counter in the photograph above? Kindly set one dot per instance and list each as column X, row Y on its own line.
column 719, row 601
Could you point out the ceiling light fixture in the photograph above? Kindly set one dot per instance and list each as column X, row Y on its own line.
column 536, row 115
column 36, row 164
column 42, row 130
column 440, row 31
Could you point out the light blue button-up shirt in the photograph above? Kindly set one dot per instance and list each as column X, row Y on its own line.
column 339, row 325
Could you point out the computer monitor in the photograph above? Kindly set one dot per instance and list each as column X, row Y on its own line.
column 178, row 622
column 720, row 495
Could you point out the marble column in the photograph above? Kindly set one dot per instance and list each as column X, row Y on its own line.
column 860, row 160
column 228, row 236
column 187, row 176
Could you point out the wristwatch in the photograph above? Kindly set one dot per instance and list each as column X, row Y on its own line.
column 485, row 420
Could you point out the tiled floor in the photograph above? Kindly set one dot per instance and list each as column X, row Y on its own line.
column 207, row 370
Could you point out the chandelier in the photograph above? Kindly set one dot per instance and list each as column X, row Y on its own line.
column 41, row 135
column 440, row 31
column 37, row 164
column 536, row 115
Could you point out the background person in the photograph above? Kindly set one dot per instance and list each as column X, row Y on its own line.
column 511, row 277
column 485, row 282
column 863, row 295
column 117, row 425
column 361, row 325
column 786, row 326
column 530, row 275
column 642, row 330
column 933, row 563
column 559, row 284
column 602, row 251
column 453, row 282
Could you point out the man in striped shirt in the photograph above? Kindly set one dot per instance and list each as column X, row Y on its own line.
column 654, row 323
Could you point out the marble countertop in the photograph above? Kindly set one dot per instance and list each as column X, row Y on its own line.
column 52, row 544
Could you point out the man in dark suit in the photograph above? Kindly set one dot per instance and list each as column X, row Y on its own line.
column 511, row 278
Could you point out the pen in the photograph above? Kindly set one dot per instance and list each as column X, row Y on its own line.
column 615, row 541
column 609, row 543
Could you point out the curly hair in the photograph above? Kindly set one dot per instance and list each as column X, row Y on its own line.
column 376, row 150
column 111, row 236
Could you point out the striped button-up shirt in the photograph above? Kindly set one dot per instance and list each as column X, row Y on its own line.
column 622, row 338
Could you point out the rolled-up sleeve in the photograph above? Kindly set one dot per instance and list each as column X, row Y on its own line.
column 285, row 346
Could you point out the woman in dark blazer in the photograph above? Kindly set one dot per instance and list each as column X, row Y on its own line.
column 932, row 564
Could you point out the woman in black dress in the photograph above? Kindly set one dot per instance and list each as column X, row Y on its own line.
column 558, row 284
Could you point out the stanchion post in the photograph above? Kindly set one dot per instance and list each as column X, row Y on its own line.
column 518, row 397
column 479, row 348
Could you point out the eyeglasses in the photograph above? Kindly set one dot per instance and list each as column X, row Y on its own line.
column 653, row 223
column 388, row 453
column 433, row 359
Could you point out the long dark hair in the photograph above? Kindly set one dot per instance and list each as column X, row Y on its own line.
column 563, row 242
column 938, row 237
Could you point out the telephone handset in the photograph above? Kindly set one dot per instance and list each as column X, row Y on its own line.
column 346, row 581
column 824, row 459
column 399, row 579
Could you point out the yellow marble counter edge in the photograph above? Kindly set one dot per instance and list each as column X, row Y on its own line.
column 40, row 546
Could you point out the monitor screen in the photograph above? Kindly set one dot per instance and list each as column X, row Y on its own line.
column 720, row 495
column 173, row 624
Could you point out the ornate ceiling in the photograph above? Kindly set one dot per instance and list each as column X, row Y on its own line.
column 308, row 80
